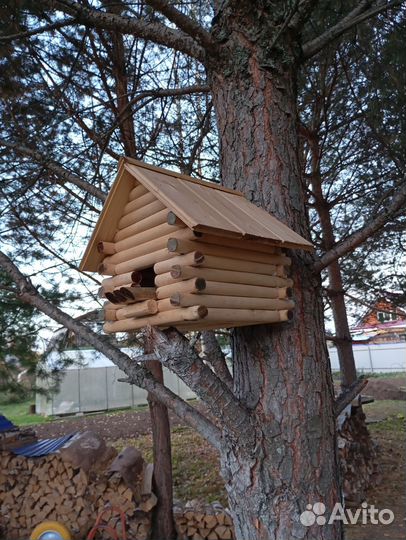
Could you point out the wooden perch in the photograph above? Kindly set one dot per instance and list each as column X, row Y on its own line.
column 348, row 395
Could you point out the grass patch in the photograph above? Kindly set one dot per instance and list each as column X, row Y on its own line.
column 19, row 413
column 196, row 470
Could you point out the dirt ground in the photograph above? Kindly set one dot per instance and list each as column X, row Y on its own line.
column 386, row 424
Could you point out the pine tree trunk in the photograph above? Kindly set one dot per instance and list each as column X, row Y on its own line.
column 281, row 372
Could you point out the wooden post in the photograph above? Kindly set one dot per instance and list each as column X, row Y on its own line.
column 163, row 526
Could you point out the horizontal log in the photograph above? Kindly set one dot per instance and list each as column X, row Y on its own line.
column 238, row 265
column 226, row 276
column 143, row 225
column 115, row 297
column 141, row 213
column 189, row 286
column 109, row 284
column 185, row 246
column 166, row 318
column 140, row 309
column 166, row 305
column 137, row 251
column 230, row 302
column 248, row 315
column 191, row 259
column 237, row 243
column 152, row 233
column 140, row 263
column 107, row 248
column 206, row 324
column 139, row 202
column 173, row 219
column 236, row 289
column 136, row 192
column 139, row 293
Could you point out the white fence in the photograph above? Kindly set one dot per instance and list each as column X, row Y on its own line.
column 380, row 358
column 95, row 387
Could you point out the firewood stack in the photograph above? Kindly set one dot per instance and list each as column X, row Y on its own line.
column 199, row 281
column 358, row 457
column 199, row 521
column 50, row 488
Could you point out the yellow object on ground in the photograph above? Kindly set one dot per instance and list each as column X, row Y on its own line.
column 50, row 530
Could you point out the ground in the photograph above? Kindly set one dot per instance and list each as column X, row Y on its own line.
column 196, row 470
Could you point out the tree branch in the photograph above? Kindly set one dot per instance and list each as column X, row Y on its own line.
column 185, row 23
column 40, row 30
column 216, row 358
column 52, row 166
column 137, row 374
column 359, row 236
column 174, row 351
column 348, row 395
column 356, row 16
column 149, row 30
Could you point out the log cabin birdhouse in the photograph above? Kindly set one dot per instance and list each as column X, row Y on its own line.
column 177, row 251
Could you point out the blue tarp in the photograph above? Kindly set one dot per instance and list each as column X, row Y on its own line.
column 5, row 424
column 43, row 447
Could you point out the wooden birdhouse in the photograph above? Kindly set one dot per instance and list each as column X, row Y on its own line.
column 186, row 253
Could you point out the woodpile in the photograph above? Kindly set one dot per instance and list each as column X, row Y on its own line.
column 199, row 521
column 51, row 488
column 164, row 274
column 357, row 455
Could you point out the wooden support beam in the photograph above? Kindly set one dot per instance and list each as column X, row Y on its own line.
column 236, row 289
column 143, row 248
column 247, row 315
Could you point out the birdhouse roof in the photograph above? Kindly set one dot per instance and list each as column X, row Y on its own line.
column 203, row 206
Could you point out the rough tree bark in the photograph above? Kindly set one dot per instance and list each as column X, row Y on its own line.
column 281, row 373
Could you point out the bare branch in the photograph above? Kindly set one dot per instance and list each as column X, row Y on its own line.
column 174, row 351
column 356, row 16
column 350, row 393
column 149, row 30
column 216, row 358
column 40, row 30
column 355, row 239
column 136, row 373
column 63, row 174
column 185, row 23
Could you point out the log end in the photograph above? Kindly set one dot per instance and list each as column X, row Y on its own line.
column 200, row 284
